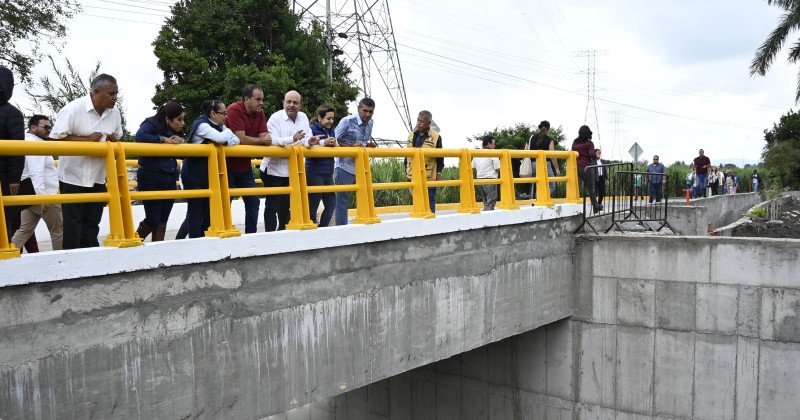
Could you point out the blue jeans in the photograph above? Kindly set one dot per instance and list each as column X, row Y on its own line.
column 251, row 203
column 702, row 183
column 328, row 199
column 432, row 198
column 343, row 198
column 156, row 211
column 549, row 173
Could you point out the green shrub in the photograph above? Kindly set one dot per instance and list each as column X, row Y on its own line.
column 758, row 212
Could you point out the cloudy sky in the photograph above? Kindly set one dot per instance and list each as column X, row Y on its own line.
column 671, row 76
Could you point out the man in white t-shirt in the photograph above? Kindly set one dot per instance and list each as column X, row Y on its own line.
column 487, row 168
column 92, row 118
column 40, row 172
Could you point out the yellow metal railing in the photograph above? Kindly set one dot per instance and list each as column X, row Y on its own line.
column 118, row 197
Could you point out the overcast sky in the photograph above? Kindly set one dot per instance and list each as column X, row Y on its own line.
column 672, row 76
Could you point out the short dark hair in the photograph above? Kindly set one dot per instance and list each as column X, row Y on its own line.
column 34, row 120
column 367, row 102
column 210, row 105
column 248, row 90
column 487, row 140
column 100, row 80
column 426, row 114
column 322, row 110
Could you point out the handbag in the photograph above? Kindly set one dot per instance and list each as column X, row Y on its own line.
column 526, row 168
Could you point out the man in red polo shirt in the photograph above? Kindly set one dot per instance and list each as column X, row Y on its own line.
column 246, row 119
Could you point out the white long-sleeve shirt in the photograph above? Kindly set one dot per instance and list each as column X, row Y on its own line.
column 282, row 129
column 79, row 118
column 224, row 137
column 41, row 170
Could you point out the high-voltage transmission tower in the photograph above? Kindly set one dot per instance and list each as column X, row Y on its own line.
column 360, row 33
column 591, row 73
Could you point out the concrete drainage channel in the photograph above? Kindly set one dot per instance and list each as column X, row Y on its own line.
column 747, row 218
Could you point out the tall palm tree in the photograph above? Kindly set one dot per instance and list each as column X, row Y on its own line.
column 766, row 53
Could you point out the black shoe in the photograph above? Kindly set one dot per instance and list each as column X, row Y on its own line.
column 598, row 209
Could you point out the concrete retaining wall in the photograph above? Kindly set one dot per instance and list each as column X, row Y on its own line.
column 271, row 321
column 664, row 328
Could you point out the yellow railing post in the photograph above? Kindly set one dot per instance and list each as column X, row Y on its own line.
column 119, row 203
column 221, row 225
column 298, row 200
column 365, row 200
column 508, row 199
column 542, row 186
column 467, row 203
column 573, row 192
column 116, row 236
column 7, row 249
column 421, row 207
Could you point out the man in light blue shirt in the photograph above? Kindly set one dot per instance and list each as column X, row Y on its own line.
column 352, row 131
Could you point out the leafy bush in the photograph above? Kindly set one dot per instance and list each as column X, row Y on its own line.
column 758, row 212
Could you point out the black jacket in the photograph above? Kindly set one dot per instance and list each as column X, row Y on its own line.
column 12, row 127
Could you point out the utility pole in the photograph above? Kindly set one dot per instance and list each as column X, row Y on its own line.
column 591, row 73
column 361, row 34
column 329, row 39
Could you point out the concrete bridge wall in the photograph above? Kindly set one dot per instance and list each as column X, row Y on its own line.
column 246, row 327
column 664, row 328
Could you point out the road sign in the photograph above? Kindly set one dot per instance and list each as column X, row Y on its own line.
column 635, row 151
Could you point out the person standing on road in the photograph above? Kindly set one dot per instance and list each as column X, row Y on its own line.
column 701, row 164
column 427, row 138
column 40, row 174
column 12, row 127
column 247, row 120
column 159, row 173
column 353, row 131
column 655, row 179
column 487, row 168
column 92, row 118
column 319, row 171
column 586, row 157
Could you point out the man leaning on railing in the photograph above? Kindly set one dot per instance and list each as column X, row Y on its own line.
column 92, row 118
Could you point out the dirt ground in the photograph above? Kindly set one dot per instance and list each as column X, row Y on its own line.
column 761, row 227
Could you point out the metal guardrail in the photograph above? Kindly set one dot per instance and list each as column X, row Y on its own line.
column 122, row 232
column 622, row 202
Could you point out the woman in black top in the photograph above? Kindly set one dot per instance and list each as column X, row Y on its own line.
column 542, row 141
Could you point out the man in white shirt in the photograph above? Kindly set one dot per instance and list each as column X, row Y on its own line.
column 287, row 127
column 91, row 118
column 40, row 171
column 487, row 168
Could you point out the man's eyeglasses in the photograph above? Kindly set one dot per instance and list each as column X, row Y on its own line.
column 46, row 127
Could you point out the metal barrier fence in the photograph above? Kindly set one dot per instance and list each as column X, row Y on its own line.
column 122, row 232
column 620, row 193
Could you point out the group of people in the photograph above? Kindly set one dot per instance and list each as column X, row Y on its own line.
column 94, row 118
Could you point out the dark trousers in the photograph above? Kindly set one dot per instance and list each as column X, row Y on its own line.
column 656, row 192
column 251, row 203
column 600, row 189
column 194, row 176
column 81, row 220
column 328, row 199
column 714, row 188
column 432, row 199
column 156, row 211
column 276, row 208
column 587, row 183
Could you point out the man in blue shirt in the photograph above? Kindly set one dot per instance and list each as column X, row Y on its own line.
column 655, row 178
column 352, row 131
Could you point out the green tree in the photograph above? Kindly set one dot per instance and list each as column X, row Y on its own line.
column 516, row 136
column 68, row 86
column 781, row 154
column 209, row 49
column 766, row 53
column 24, row 24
